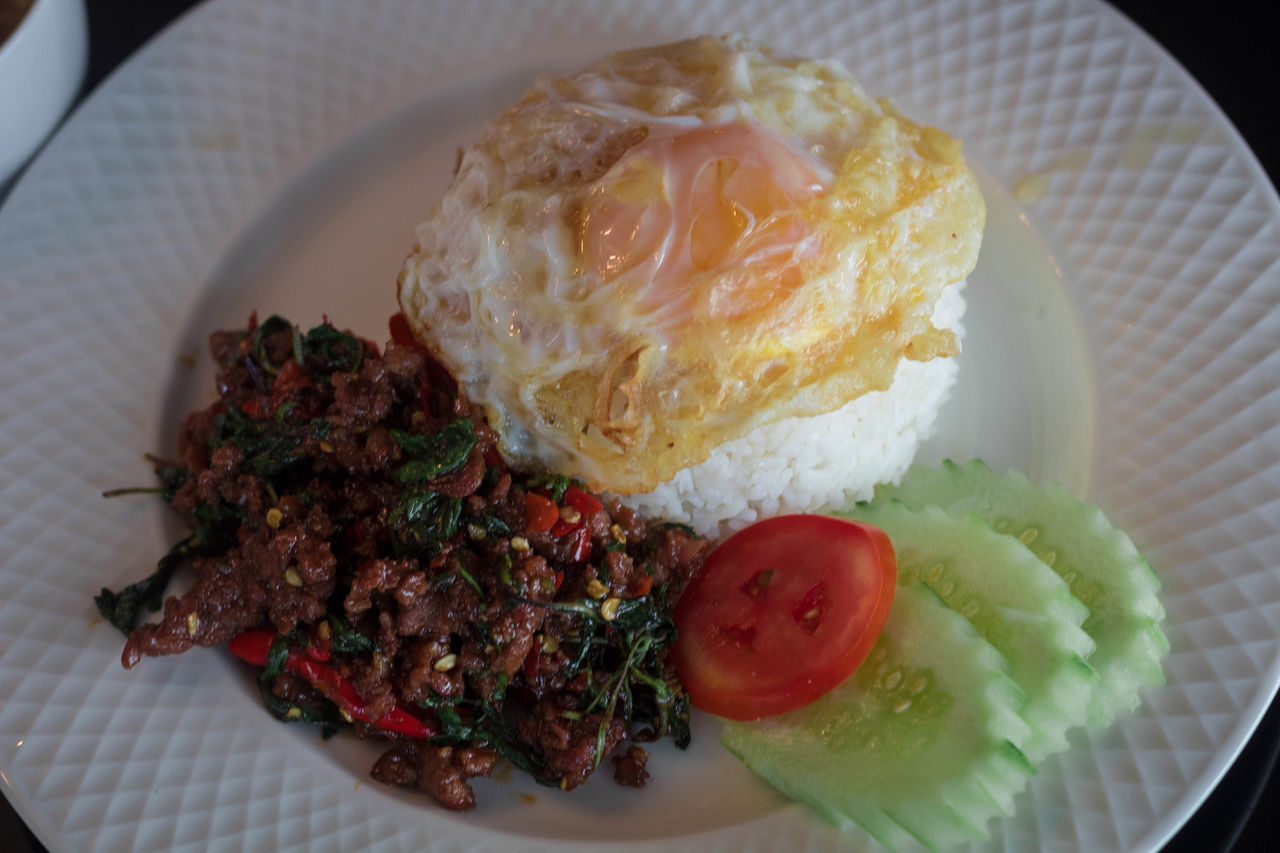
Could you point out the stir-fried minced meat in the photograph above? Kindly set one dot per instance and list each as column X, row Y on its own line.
column 629, row 768
column 356, row 533
column 441, row 771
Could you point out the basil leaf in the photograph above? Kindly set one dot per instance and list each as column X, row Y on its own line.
column 433, row 455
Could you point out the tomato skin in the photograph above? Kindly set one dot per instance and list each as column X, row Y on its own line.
column 782, row 612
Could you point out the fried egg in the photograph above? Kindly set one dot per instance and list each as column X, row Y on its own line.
column 641, row 261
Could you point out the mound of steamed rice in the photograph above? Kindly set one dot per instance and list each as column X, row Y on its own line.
column 808, row 464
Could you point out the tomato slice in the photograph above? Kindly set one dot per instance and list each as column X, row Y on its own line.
column 782, row 612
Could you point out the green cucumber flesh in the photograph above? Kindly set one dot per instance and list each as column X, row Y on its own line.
column 1013, row 600
column 1100, row 564
column 916, row 744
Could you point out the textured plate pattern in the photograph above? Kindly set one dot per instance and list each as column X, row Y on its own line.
column 1162, row 224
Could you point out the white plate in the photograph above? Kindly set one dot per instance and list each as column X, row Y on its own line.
column 275, row 155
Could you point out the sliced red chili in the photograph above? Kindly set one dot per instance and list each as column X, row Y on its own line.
column 640, row 586
column 581, row 501
column 291, row 379
column 252, row 408
column 254, row 646
column 539, row 513
column 581, row 544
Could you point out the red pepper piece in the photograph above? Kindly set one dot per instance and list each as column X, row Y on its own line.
column 581, row 544
column 290, row 379
column 539, row 512
column 640, row 586
column 561, row 527
column 252, row 408
column 254, row 645
column 581, row 501
column 400, row 331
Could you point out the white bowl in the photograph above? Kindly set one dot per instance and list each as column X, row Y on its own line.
column 41, row 66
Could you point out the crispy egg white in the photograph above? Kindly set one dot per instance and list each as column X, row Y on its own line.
column 641, row 261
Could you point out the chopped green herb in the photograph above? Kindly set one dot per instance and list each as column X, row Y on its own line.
column 433, row 455
column 122, row 608
column 426, row 519
column 326, row 351
column 556, row 484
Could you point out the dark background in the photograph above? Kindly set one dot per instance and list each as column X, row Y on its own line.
column 1230, row 49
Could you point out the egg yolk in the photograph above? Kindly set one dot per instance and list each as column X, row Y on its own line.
column 721, row 205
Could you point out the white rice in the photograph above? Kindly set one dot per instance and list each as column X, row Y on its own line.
column 807, row 464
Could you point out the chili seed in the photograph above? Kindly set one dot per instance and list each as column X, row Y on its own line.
column 324, row 631
column 293, row 713
column 274, row 517
column 292, row 577
column 418, row 418
column 550, row 644
column 193, row 623
column 326, row 447
column 476, row 532
column 346, row 715
column 519, row 543
column 595, row 589
column 609, row 608
column 569, row 515
column 445, row 663
column 617, row 534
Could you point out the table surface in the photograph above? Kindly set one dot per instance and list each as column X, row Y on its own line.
column 1231, row 57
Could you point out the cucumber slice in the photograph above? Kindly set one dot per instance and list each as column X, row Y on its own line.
column 1100, row 564
column 1013, row 600
column 916, row 745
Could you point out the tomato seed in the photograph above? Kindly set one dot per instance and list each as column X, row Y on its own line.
column 758, row 584
column 809, row 612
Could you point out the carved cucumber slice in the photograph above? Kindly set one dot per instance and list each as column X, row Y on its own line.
column 1013, row 600
column 917, row 744
column 1100, row 564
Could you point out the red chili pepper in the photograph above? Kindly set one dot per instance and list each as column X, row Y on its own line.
column 400, row 331
column 581, row 501
column 291, row 378
column 561, row 527
column 252, row 408
column 492, row 456
column 255, row 645
column 640, row 586
column 581, row 544
column 539, row 512
column 559, row 580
